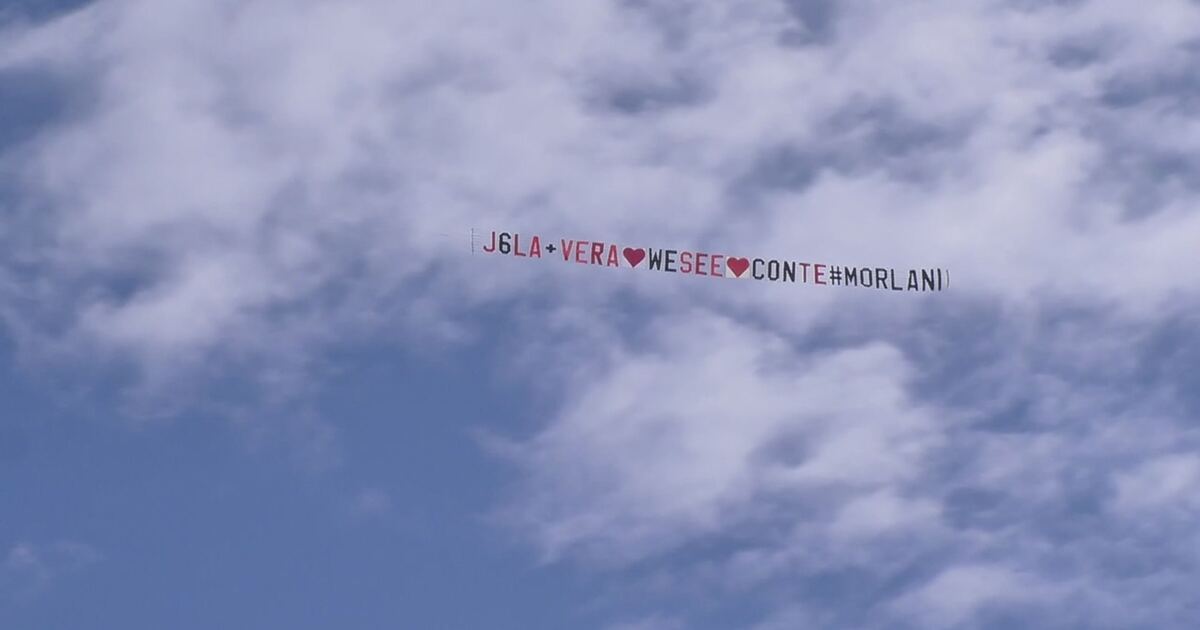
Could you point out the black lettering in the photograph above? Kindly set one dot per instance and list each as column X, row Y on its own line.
column 927, row 280
column 656, row 258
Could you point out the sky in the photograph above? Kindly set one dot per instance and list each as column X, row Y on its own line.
column 253, row 376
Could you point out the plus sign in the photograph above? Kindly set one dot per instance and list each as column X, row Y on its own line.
column 550, row 248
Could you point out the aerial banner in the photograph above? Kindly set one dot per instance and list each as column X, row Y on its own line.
column 709, row 264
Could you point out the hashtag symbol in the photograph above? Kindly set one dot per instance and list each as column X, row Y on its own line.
column 835, row 275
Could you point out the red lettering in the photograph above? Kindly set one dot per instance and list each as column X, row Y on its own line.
column 597, row 252
column 613, row 261
column 818, row 273
column 566, row 249
column 535, row 247
column 717, row 265
column 579, row 247
column 700, row 264
column 517, row 246
column 685, row 262
column 491, row 248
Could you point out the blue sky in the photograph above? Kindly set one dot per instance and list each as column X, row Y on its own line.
column 197, row 529
column 251, row 375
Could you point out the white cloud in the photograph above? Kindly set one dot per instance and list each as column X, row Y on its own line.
column 883, row 512
column 315, row 149
column 1164, row 482
column 954, row 595
column 686, row 436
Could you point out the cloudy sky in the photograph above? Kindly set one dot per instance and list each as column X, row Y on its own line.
column 251, row 375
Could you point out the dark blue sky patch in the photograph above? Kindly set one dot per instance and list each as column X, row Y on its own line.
column 675, row 91
column 14, row 443
column 20, row 411
column 1013, row 416
column 970, row 507
column 785, row 167
column 33, row 99
column 1176, row 88
column 1145, row 179
column 633, row 94
column 1075, row 55
column 1078, row 510
column 961, row 349
column 1169, row 355
column 788, row 449
column 670, row 18
column 861, row 137
column 39, row 10
column 1010, row 615
column 970, row 355
column 871, row 133
column 816, row 22
column 1141, row 173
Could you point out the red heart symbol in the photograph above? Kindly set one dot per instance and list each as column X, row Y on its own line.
column 634, row 256
column 737, row 265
